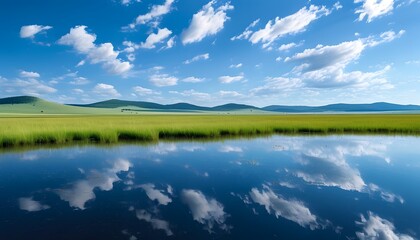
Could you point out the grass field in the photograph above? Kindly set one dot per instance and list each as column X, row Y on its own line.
column 35, row 130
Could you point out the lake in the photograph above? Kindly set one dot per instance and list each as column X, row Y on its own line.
column 280, row 187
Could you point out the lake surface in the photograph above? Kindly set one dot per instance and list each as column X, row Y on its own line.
column 336, row 187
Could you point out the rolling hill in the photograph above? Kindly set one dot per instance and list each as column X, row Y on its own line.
column 34, row 105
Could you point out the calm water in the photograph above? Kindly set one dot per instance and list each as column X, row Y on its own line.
column 339, row 187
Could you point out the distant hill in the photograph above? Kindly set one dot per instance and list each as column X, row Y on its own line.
column 31, row 105
column 341, row 107
column 19, row 100
column 34, row 105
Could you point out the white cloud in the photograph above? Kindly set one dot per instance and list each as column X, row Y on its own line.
column 193, row 80
column 141, row 91
column 376, row 227
column 275, row 85
column 236, row 65
column 286, row 47
column 227, row 149
column 79, row 39
column 78, row 91
column 245, row 34
column 230, row 94
column 292, row 210
column 386, row 196
column 155, row 222
column 79, row 81
column 200, row 57
column 30, row 205
column 155, row 38
column 80, row 192
column 208, row 21
column 231, row 79
column 155, row 194
column 170, row 43
column 194, row 94
column 372, row 9
column 324, row 66
column 128, row 2
column 84, row 43
column 32, row 87
column 156, row 12
column 163, row 80
column 31, row 30
column 106, row 90
column 280, row 27
column 207, row 211
column 26, row 74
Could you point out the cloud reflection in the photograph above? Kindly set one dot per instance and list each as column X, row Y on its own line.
column 30, row 205
column 324, row 163
column 292, row 210
column 155, row 222
column 82, row 191
column 375, row 227
column 207, row 211
column 155, row 194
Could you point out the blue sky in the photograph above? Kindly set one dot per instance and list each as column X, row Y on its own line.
column 212, row 52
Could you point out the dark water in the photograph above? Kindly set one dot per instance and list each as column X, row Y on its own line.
column 339, row 187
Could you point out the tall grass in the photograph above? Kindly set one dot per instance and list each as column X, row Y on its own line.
column 21, row 131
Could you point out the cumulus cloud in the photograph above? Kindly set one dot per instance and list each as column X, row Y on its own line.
column 155, row 38
column 30, row 205
column 292, row 210
column 163, row 80
column 26, row 74
column 231, row 79
column 200, row 57
column 324, row 66
column 141, row 91
column 193, row 80
column 280, row 27
column 207, row 211
column 30, row 31
column 372, row 9
column 155, row 194
column 155, row 222
column 84, row 43
column 375, row 227
column 208, row 21
column 155, row 13
column 80, row 192
column 106, row 90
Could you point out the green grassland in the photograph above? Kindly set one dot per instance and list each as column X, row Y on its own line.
column 24, row 130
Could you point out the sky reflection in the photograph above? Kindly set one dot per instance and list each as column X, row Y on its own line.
column 279, row 187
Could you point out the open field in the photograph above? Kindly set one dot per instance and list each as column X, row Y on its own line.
column 35, row 130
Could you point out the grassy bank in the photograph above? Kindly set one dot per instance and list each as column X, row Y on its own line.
column 33, row 130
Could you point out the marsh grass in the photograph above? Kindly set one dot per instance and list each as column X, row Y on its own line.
column 42, row 130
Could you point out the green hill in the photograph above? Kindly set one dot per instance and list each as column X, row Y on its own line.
column 34, row 105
